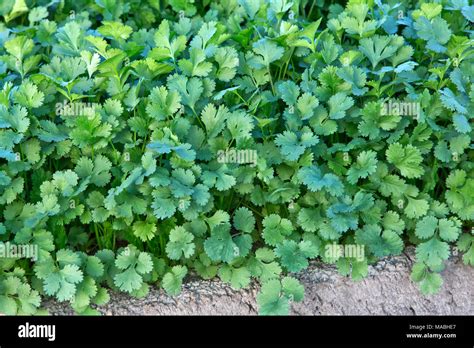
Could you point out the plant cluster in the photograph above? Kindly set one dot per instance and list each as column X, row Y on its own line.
column 113, row 112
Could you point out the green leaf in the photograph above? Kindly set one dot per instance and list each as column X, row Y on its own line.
column 276, row 229
column 166, row 48
column 144, row 230
column 196, row 65
column 306, row 105
column 365, row 165
column 355, row 24
column 379, row 243
column 292, row 288
column 19, row 47
column 436, row 32
column 50, row 132
column 173, row 280
column 433, row 252
column 134, row 265
column 339, row 103
column 115, row 30
column 289, row 92
column 426, row 227
column 163, row 103
column 214, row 119
column 220, row 246
column 466, row 245
column 406, row 158
column 238, row 277
column 62, row 284
column 392, row 221
column 268, row 51
column 94, row 267
column 16, row 119
column 8, row 305
column 29, row 96
column 449, row 230
column 244, row 220
column 377, row 48
column 92, row 61
column 292, row 147
column 240, row 125
column 270, row 301
column 416, row 208
column 180, row 244
column 431, row 284
column 294, row 256
column 306, row 37
column 228, row 61
column 251, row 7
column 313, row 178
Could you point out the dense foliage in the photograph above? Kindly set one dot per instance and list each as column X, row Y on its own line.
column 144, row 140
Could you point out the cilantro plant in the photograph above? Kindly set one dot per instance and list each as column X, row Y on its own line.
column 114, row 116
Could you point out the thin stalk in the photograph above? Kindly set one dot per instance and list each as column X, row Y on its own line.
column 311, row 9
column 97, row 236
column 271, row 80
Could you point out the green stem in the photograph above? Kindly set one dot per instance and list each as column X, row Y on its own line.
column 252, row 209
column 199, row 120
column 245, row 102
column 145, row 142
column 230, row 200
column 271, row 79
column 97, row 236
column 287, row 63
column 311, row 9
column 162, row 244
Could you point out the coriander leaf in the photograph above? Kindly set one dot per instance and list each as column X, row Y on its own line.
column 406, row 158
column 180, row 244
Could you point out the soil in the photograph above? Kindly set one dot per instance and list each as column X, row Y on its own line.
column 387, row 290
